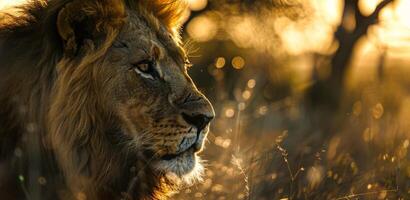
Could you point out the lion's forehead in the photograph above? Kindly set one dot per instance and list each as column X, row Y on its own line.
column 142, row 31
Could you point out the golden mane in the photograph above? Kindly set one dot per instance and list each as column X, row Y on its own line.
column 169, row 12
column 64, row 107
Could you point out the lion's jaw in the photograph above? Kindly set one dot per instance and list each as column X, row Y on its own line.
column 186, row 164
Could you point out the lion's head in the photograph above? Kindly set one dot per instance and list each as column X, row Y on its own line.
column 155, row 100
column 123, row 113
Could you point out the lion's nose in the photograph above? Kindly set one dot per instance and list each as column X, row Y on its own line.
column 198, row 120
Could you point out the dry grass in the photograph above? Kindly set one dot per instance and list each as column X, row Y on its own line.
column 279, row 150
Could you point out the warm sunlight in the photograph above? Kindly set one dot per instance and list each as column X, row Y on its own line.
column 205, row 99
column 390, row 39
column 197, row 5
column 8, row 3
column 395, row 24
column 393, row 30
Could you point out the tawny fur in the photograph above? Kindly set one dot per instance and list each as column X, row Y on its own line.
column 62, row 108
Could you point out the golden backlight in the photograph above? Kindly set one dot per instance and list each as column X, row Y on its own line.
column 390, row 38
column 392, row 31
column 9, row 3
column 299, row 37
column 264, row 66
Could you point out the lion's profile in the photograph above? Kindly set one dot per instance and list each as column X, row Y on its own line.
column 96, row 102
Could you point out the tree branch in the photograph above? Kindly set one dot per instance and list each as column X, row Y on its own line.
column 373, row 18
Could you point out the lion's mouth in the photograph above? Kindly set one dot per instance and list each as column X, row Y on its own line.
column 185, row 161
column 193, row 149
column 173, row 156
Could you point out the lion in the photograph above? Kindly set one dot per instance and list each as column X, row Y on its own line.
column 97, row 102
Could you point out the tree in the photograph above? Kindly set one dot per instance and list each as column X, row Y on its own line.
column 327, row 92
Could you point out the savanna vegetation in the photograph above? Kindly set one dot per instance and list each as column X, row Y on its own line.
column 312, row 98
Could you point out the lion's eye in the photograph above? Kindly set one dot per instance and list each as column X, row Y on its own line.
column 145, row 68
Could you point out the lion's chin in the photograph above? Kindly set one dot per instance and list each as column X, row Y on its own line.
column 185, row 167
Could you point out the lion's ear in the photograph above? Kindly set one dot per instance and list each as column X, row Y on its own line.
column 82, row 20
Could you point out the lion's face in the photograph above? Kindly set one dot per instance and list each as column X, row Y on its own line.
column 153, row 97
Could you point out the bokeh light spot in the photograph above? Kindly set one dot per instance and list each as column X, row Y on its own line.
column 202, row 28
column 263, row 110
column 220, row 62
column 378, row 111
column 369, row 186
column 238, row 62
column 229, row 112
column 197, row 5
column 246, row 94
column 41, row 180
column 251, row 83
column 226, row 143
column 406, row 144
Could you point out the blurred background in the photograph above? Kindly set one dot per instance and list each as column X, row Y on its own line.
column 312, row 97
